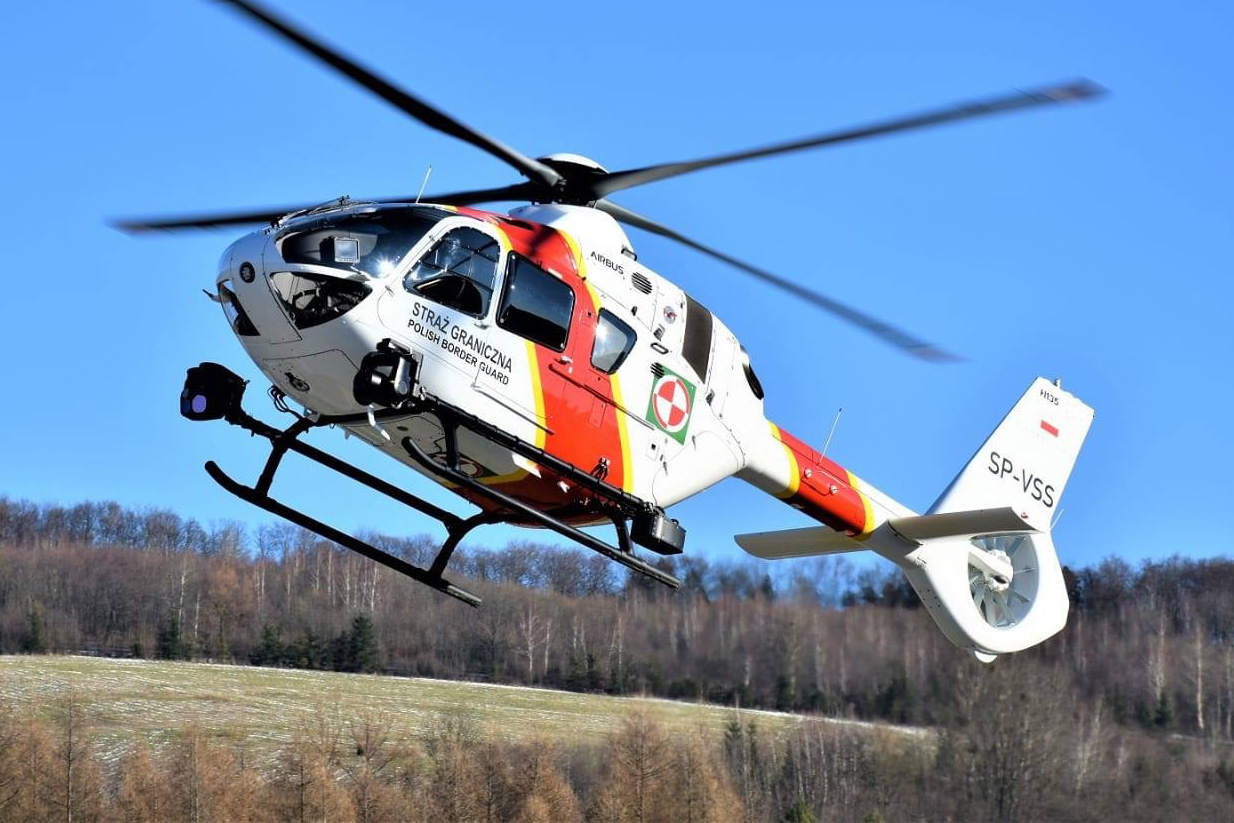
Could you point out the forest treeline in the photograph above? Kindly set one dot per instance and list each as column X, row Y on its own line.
column 1148, row 649
column 1012, row 755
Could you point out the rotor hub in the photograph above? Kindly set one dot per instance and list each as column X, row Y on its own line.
column 998, row 582
column 577, row 172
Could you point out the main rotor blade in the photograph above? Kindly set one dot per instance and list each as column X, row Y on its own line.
column 1064, row 93
column 518, row 191
column 203, row 221
column 887, row 333
column 417, row 108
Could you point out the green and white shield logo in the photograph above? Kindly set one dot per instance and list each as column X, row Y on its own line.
column 672, row 400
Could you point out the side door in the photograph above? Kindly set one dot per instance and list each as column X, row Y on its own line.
column 557, row 317
column 444, row 306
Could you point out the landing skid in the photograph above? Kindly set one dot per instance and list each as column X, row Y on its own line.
column 219, row 393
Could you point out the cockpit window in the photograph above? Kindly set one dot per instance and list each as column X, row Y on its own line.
column 614, row 340
column 236, row 315
column 458, row 272
column 313, row 299
column 372, row 242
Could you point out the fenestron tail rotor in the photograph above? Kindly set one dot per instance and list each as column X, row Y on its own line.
column 1005, row 602
column 561, row 179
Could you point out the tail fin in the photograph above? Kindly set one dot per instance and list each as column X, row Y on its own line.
column 993, row 587
column 1025, row 463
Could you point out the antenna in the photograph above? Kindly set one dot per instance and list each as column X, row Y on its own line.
column 423, row 184
column 834, row 423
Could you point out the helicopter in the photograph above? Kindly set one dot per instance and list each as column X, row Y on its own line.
column 531, row 363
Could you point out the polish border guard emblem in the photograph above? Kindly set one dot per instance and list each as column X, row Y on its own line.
column 670, row 405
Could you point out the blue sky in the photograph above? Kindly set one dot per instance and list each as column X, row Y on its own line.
column 1087, row 242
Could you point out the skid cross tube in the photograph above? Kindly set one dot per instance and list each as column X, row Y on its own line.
column 282, row 441
column 276, row 438
column 431, row 577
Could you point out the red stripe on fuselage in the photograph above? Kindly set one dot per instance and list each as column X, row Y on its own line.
column 842, row 509
column 578, row 401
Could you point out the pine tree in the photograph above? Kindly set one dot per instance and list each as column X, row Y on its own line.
column 168, row 645
column 800, row 812
column 270, row 651
column 1165, row 717
column 34, row 642
column 307, row 652
column 362, row 652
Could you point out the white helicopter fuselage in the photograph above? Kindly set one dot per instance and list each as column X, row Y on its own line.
column 681, row 411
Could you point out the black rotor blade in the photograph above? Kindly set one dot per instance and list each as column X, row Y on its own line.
column 518, row 191
column 1063, row 93
column 417, row 108
column 203, row 221
column 883, row 331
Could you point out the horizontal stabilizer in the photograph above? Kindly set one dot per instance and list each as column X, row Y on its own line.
column 959, row 524
column 797, row 543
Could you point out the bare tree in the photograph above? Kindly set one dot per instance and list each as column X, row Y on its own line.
column 541, row 793
column 529, row 627
column 144, row 795
column 642, row 758
column 73, row 787
column 456, row 787
column 377, row 747
column 304, row 783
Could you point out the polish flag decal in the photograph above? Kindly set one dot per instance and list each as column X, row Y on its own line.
column 1048, row 429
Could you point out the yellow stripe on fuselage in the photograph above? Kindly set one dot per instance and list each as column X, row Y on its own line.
column 627, row 464
column 866, row 504
column 623, row 433
column 533, row 367
column 537, row 393
column 794, row 471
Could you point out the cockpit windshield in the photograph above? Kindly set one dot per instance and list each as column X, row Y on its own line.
column 371, row 243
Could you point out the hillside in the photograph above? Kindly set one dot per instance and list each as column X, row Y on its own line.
column 261, row 706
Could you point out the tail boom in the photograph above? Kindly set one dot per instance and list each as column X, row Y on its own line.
column 789, row 469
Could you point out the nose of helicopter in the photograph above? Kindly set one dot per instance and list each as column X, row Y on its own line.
column 245, row 293
column 282, row 318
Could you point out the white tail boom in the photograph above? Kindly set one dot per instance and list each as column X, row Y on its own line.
column 982, row 558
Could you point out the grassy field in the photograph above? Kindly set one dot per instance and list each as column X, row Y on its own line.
column 260, row 707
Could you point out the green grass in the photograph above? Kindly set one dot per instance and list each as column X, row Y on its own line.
column 261, row 707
